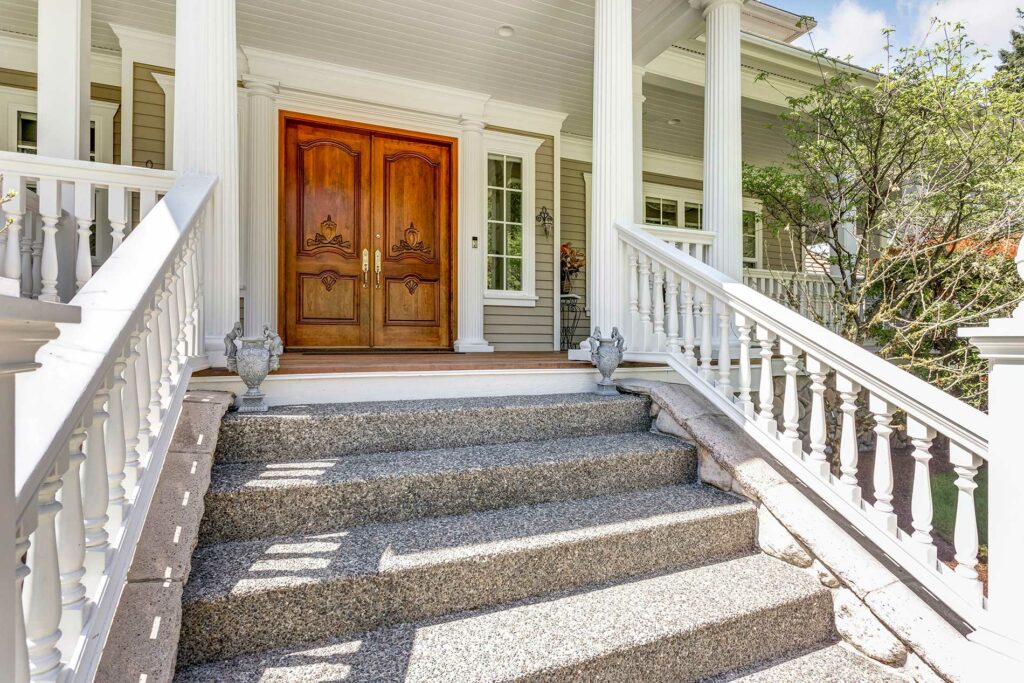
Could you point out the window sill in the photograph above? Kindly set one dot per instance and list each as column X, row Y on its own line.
column 504, row 299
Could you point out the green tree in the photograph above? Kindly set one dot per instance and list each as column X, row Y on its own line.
column 908, row 185
column 1012, row 60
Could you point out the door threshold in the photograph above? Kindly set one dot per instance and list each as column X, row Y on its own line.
column 363, row 351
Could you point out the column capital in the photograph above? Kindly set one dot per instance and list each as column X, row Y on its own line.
column 706, row 6
column 469, row 122
column 260, row 85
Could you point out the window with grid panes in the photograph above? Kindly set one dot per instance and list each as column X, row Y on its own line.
column 504, row 223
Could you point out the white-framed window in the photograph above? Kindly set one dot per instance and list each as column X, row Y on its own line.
column 18, row 116
column 510, row 270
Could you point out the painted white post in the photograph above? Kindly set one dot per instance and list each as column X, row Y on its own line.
column 25, row 325
column 612, row 196
column 261, row 256
column 206, row 141
column 1002, row 343
column 638, row 144
column 723, row 155
column 64, row 44
column 472, row 237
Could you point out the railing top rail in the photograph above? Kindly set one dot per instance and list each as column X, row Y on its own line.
column 945, row 413
column 111, row 302
column 786, row 274
column 679, row 234
column 49, row 168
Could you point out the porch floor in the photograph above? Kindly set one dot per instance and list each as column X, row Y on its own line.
column 314, row 362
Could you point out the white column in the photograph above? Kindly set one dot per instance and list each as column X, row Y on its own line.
column 261, row 259
column 65, row 37
column 723, row 154
column 472, row 237
column 612, row 195
column 206, row 141
column 638, row 144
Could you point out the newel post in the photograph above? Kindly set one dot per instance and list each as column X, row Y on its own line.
column 1002, row 344
column 25, row 325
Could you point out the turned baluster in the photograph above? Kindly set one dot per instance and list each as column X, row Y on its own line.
column 164, row 321
column 130, row 400
column 688, row 328
column 83, row 218
column 646, row 325
column 658, row 290
column 766, row 387
column 199, row 342
column 706, row 319
column 118, row 213
column 790, row 400
column 37, row 256
column 95, row 494
column 632, row 268
column 155, row 354
column 921, row 436
column 11, row 266
column 848, row 446
column 49, row 210
column 816, row 460
column 173, row 366
column 71, row 546
column 672, row 310
column 147, row 200
column 743, row 327
column 965, row 532
column 724, row 350
column 41, row 596
column 881, row 411
column 181, row 336
column 115, row 449
column 28, row 267
column 21, row 570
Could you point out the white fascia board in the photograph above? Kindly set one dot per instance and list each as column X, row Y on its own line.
column 521, row 117
column 315, row 76
column 20, row 54
column 145, row 47
column 578, row 148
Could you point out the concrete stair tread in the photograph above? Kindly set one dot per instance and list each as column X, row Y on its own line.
column 679, row 626
column 240, row 567
column 831, row 664
column 235, row 477
column 321, row 431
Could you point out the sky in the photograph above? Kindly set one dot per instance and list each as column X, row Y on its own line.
column 853, row 27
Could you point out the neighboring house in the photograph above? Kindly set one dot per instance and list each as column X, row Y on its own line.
column 386, row 183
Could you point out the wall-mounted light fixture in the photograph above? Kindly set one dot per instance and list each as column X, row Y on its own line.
column 545, row 220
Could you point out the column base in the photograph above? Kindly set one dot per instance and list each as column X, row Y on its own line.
column 473, row 346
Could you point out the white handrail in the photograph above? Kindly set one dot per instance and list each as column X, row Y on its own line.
column 704, row 323
column 93, row 425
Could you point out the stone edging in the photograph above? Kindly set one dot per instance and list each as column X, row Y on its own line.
column 876, row 611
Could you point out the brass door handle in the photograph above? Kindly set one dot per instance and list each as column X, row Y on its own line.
column 376, row 266
column 366, row 268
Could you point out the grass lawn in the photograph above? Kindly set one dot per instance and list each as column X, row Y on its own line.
column 944, row 494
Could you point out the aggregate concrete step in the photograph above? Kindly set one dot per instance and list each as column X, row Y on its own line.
column 830, row 664
column 681, row 626
column 260, row 500
column 258, row 595
column 288, row 433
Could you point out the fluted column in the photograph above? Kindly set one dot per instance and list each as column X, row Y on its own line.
column 261, row 259
column 638, row 144
column 206, row 141
column 612, row 196
column 723, row 155
column 472, row 237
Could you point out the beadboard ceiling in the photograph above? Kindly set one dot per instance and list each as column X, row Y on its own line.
column 547, row 63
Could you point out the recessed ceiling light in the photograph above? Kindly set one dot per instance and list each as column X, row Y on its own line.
column 506, row 31
column 674, row 122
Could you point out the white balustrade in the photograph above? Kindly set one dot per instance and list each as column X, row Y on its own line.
column 31, row 250
column 810, row 294
column 93, row 423
column 815, row 433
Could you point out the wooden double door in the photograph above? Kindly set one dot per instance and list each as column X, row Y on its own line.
column 367, row 239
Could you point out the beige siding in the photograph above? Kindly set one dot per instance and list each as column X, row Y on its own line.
column 531, row 328
column 148, row 125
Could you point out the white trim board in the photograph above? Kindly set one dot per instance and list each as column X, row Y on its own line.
column 410, row 385
column 21, row 54
column 579, row 148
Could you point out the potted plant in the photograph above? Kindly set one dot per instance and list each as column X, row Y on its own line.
column 572, row 263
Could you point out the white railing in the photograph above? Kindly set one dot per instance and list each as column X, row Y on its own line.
column 93, row 425
column 67, row 217
column 696, row 243
column 812, row 295
column 706, row 326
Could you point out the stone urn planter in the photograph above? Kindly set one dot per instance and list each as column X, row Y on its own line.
column 606, row 355
column 253, row 358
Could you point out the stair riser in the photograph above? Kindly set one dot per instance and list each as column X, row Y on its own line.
column 249, row 623
column 713, row 649
column 270, row 438
column 261, row 513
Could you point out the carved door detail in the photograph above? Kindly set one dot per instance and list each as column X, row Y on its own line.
column 366, row 238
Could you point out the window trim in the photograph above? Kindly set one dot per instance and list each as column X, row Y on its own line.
column 525, row 148
column 16, row 100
